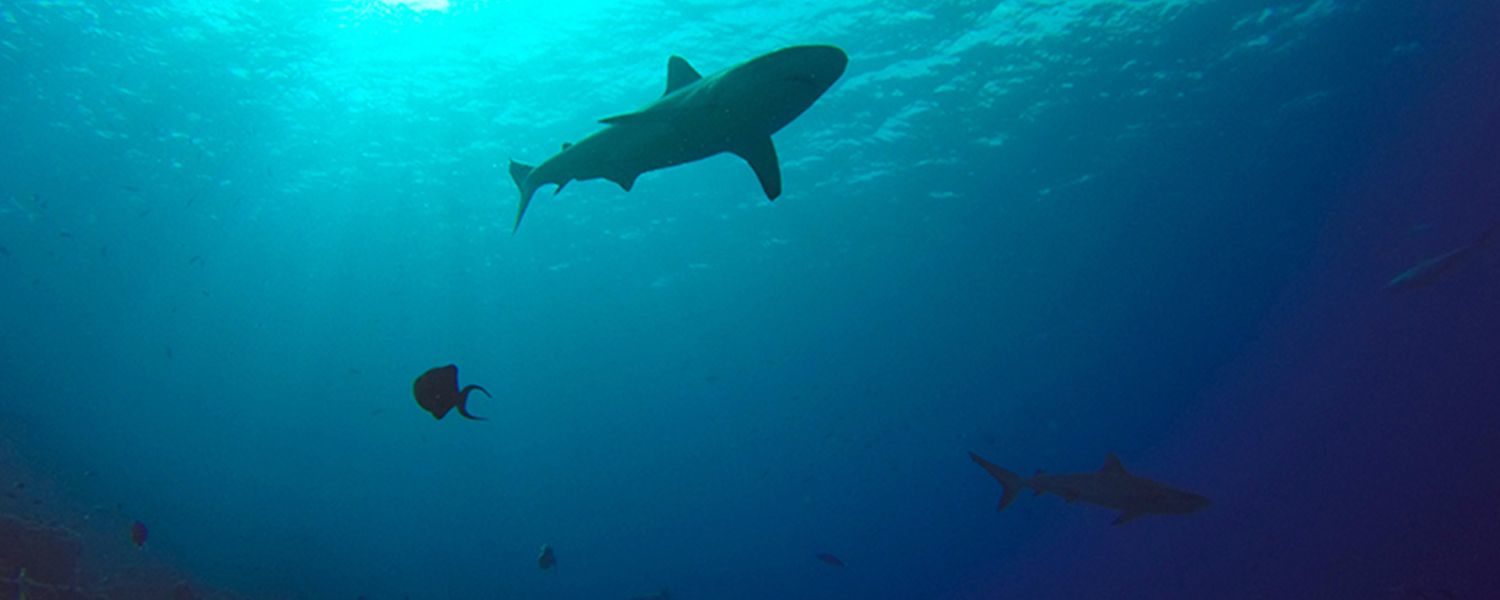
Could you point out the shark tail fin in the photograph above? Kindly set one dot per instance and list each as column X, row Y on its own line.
column 1010, row 482
column 520, row 173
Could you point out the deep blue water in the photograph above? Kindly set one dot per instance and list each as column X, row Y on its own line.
column 232, row 233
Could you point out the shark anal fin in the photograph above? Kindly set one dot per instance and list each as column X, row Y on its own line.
column 761, row 155
column 680, row 74
column 1126, row 517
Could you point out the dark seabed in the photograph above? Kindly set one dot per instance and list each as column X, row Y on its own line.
column 233, row 234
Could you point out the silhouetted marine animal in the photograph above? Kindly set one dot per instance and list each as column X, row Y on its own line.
column 546, row 559
column 1111, row 486
column 1428, row 271
column 437, row 392
column 138, row 534
column 735, row 110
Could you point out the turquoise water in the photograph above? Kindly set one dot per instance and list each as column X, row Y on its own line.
column 234, row 232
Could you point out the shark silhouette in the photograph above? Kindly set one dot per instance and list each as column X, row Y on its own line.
column 1111, row 486
column 735, row 111
column 1430, row 270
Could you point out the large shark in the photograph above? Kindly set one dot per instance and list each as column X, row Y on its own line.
column 735, row 110
column 1111, row 486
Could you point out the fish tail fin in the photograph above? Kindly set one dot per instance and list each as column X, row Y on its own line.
column 1010, row 482
column 521, row 173
column 463, row 402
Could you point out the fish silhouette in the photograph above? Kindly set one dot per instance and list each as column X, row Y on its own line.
column 138, row 534
column 437, row 393
column 830, row 559
column 546, row 559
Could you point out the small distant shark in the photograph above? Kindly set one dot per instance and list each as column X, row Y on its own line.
column 735, row 111
column 1111, row 486
column 1430, row 270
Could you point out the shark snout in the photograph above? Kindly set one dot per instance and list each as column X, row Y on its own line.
column 816, row 66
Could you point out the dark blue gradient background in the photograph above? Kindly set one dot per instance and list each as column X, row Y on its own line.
column 234, row 232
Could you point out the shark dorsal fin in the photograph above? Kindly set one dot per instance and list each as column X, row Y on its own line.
column 1112, row 465
column 679, row 74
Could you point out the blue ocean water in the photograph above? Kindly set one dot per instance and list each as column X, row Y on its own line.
column 232, row 233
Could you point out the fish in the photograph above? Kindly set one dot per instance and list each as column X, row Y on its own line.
column 546, row 560
column 735, row 110
column 4, row 251
column 664, row 594
column 437, row 393
column 830, row 559
column 138, row 534
column 1111, row 486
column 1430, row 270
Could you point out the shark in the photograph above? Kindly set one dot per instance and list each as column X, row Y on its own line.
column 735, row 110
column 1111, row 486
column 1430, row 270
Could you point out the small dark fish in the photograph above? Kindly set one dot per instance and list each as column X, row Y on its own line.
column 169, row 352
column 437, row 393
column 546, row 559
column 830, row 559
column 138, row 534
column 4, row 251
column 195, row 260
column 130, row 188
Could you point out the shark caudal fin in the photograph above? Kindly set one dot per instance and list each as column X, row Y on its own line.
column 1010, row 482
column 520, row 173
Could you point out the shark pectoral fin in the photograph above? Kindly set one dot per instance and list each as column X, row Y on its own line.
column 1126, row 517
column 761, row 154
column 680, row 74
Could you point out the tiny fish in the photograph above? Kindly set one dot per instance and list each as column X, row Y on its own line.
column 546, row 559
column 830, row 559
column 4, row 251
column 138, row 534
